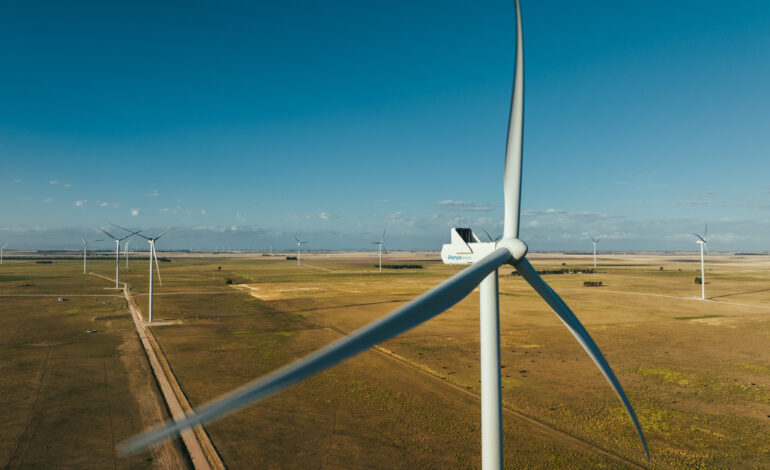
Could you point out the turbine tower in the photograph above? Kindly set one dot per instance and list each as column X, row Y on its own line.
column 125, row 252
column 299, row 249
column 483, row 270
column 153, row 254
column 2, row 249
column 85, row 248
column 702, row 242
column 381, row 244
column 117, row 251
column 595, row 240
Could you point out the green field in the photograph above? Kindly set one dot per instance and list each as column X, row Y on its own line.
column 698, row 373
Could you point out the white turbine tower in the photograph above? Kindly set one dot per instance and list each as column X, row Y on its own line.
column 381, row 243
column 85, row 248
column 153, row 254
column 125, row 251
column 595, row 240
column 117, row 251
column 299, row 249
column 509, row 250
column 2, row 249
column 702, row 242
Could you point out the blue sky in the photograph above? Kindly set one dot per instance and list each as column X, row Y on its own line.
column 245, row 123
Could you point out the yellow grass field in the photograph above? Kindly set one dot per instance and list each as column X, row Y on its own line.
column 697, row 372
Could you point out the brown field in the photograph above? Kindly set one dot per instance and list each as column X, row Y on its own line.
column 698, row 373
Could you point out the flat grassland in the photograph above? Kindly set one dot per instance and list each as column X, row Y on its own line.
column 73, row 379
column 697, row 372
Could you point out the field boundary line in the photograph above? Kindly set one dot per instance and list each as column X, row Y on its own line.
column 540, row 425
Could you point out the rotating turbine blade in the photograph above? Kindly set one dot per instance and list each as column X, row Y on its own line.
column 108, row 233
column 489, row 237
column 155, row 255
column 700, row 238
column 512, row 175
column 132, row 232
column 579, row 332
column 423, row 308
column 164, row 232
column 382, row 238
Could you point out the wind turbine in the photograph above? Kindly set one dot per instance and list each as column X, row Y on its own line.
column 153, row 254
column 381, row 243
column 299, row 250
column 125, row 252
column 483, row 271
column 117, row 250
column 85, row 247
column 595, row 240
column 702, row 242
column 2, row 249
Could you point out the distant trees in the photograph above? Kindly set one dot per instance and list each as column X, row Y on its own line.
column 592, row 283
column 698, row 280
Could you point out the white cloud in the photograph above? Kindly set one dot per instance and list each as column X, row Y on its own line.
column 203, row 211
column 104, row 204
column 464, row 205
column 47, row 200
column 80, row 203
column 17, row 181
column 134, row 212
column 324, row 216
column 153, row 193
column 180, row 200
column 240, row 217
column 53, row 182
column 67, row 185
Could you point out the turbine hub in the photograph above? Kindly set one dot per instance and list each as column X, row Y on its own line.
column 517, row 248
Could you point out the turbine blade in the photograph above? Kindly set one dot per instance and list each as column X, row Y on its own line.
column 512, row 176
column 108, row 233
column 132, row 232
column 579, row 332
column 423, row 308
column 598, row 240
column 705, row 230
column 489, row 237
column 593, row 239
column 164, row 232
column 157, row 268
column 701, row 238
column 382, row 238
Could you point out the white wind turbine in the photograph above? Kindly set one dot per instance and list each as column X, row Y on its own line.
column 509, row 250
column 125, row 251
column 2, row 249
column 153, row 254
column 381, row 244
column 299, row 249
column 85, row 248
column 702, row 242
column 595, row 240
column 117, row 251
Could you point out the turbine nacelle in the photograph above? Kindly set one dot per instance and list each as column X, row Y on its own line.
column 466, row 248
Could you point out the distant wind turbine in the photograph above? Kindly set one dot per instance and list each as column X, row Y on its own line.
column 381, row 244
column 483, row 271
column 153, row 254
column 2, row 249
column 125, row 251
column 299, row 249
column 595, row 240
column 85, row 250
column 117, row 251
column 702, row 242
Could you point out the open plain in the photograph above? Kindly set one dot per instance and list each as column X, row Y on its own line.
column 697, row 372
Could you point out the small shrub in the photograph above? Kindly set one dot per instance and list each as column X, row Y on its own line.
column 219, row 268
column 661, row 268
column 291, row 258
column 698, row 280
column 592, row 283
column 228, row 281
